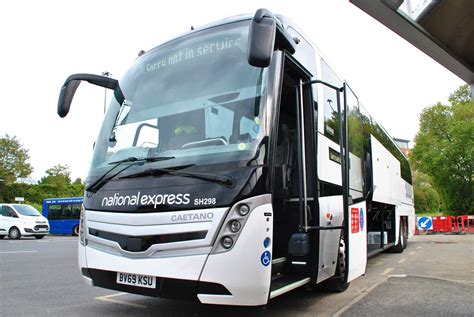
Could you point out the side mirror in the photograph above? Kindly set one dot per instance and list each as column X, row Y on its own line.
column 261, row 38
column 70, row 86
column 265, row 34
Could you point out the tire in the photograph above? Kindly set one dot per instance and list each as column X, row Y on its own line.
column 336, row 283
column 39, row 236
column 14, row 233
column 1, row 237
column 402, row 238
column 75, row 230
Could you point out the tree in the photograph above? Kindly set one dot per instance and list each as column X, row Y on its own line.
column 13, row 160
column 426, row 197
column 57, row 183
column 444, row 149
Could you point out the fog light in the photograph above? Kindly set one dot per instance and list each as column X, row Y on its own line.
column 227, row 242
column 235, row 226
column 244, row 210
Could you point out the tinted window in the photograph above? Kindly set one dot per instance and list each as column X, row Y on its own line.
column 54, row 212
column 356, row 147
column 8, row 212
column 387, row 142
column 331, row 121
column 64, row 212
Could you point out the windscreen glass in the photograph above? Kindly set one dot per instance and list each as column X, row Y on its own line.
column 27, row 210
column 194, row 100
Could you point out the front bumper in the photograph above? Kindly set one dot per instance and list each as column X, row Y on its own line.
column 34, row 230
column 235, row 277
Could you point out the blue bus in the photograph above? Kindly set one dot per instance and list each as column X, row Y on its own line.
column 63, row 214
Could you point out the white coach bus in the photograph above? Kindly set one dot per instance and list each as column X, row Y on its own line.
column 233, row 165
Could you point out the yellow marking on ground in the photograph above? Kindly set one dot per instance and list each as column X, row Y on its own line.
column 390, row 269
column 109, row 298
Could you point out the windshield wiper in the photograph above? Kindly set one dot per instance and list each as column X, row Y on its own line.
column 101, row 181
column 215, row 178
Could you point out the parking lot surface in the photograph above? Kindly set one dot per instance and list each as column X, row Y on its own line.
column 433, row 277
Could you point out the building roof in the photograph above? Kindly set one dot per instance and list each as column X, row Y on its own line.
column 443, row 29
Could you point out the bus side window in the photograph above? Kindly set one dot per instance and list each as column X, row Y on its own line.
column 54, row 212
column 67, row 212
column 331, row 119
column 76, row 211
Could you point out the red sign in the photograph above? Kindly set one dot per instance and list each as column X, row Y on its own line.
column 355, row 220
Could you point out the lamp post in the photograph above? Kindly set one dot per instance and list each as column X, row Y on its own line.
column 106, row 74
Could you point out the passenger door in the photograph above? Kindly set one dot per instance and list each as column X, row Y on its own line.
column 357, row 213
column 340, row 146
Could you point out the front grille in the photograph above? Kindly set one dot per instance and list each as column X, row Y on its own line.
column 38, row 227
column 142, row 243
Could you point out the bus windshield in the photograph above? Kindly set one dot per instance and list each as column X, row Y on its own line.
column 194, row 99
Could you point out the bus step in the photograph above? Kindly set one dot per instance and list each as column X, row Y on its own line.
column 287, row 283
column 279, row 265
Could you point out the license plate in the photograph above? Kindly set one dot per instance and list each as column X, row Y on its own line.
column 42, row 229
column 136, row 280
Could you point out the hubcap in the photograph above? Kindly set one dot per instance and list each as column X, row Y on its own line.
column 14, row 233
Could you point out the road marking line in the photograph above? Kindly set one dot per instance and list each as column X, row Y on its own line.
column 111, row 295
column 398, row 275
column 16, row 241
column 445, row 279
column 390, row 269
column 364, row 292
column 418, row 248
column 6, row 252
column 412, row 252
column 402, row 260
column 108, row 298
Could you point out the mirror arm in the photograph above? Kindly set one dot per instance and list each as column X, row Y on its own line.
column 72, row 83
column 283, row 39
column 97, row 80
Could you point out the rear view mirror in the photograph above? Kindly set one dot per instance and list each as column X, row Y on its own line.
column 70, row 86
column 265, row 34
column 261, row 38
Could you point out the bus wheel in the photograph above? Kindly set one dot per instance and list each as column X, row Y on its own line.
column 336, row 284
column 39, row 236
column 402, row 239
column 75, row 231
column 14, row 233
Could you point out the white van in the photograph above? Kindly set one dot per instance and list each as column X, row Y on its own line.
column 18, row 220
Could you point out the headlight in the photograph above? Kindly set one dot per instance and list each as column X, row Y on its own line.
column 244, row 210
column 227, row 242
column 235, row 226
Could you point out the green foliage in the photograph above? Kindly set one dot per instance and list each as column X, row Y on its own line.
column 56, row 183
column 13, row 160
column 427, row 199
column 444, row 150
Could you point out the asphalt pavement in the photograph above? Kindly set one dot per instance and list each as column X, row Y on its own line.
column 433, row 277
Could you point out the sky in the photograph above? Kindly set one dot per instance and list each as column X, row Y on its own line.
column 43, row 42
